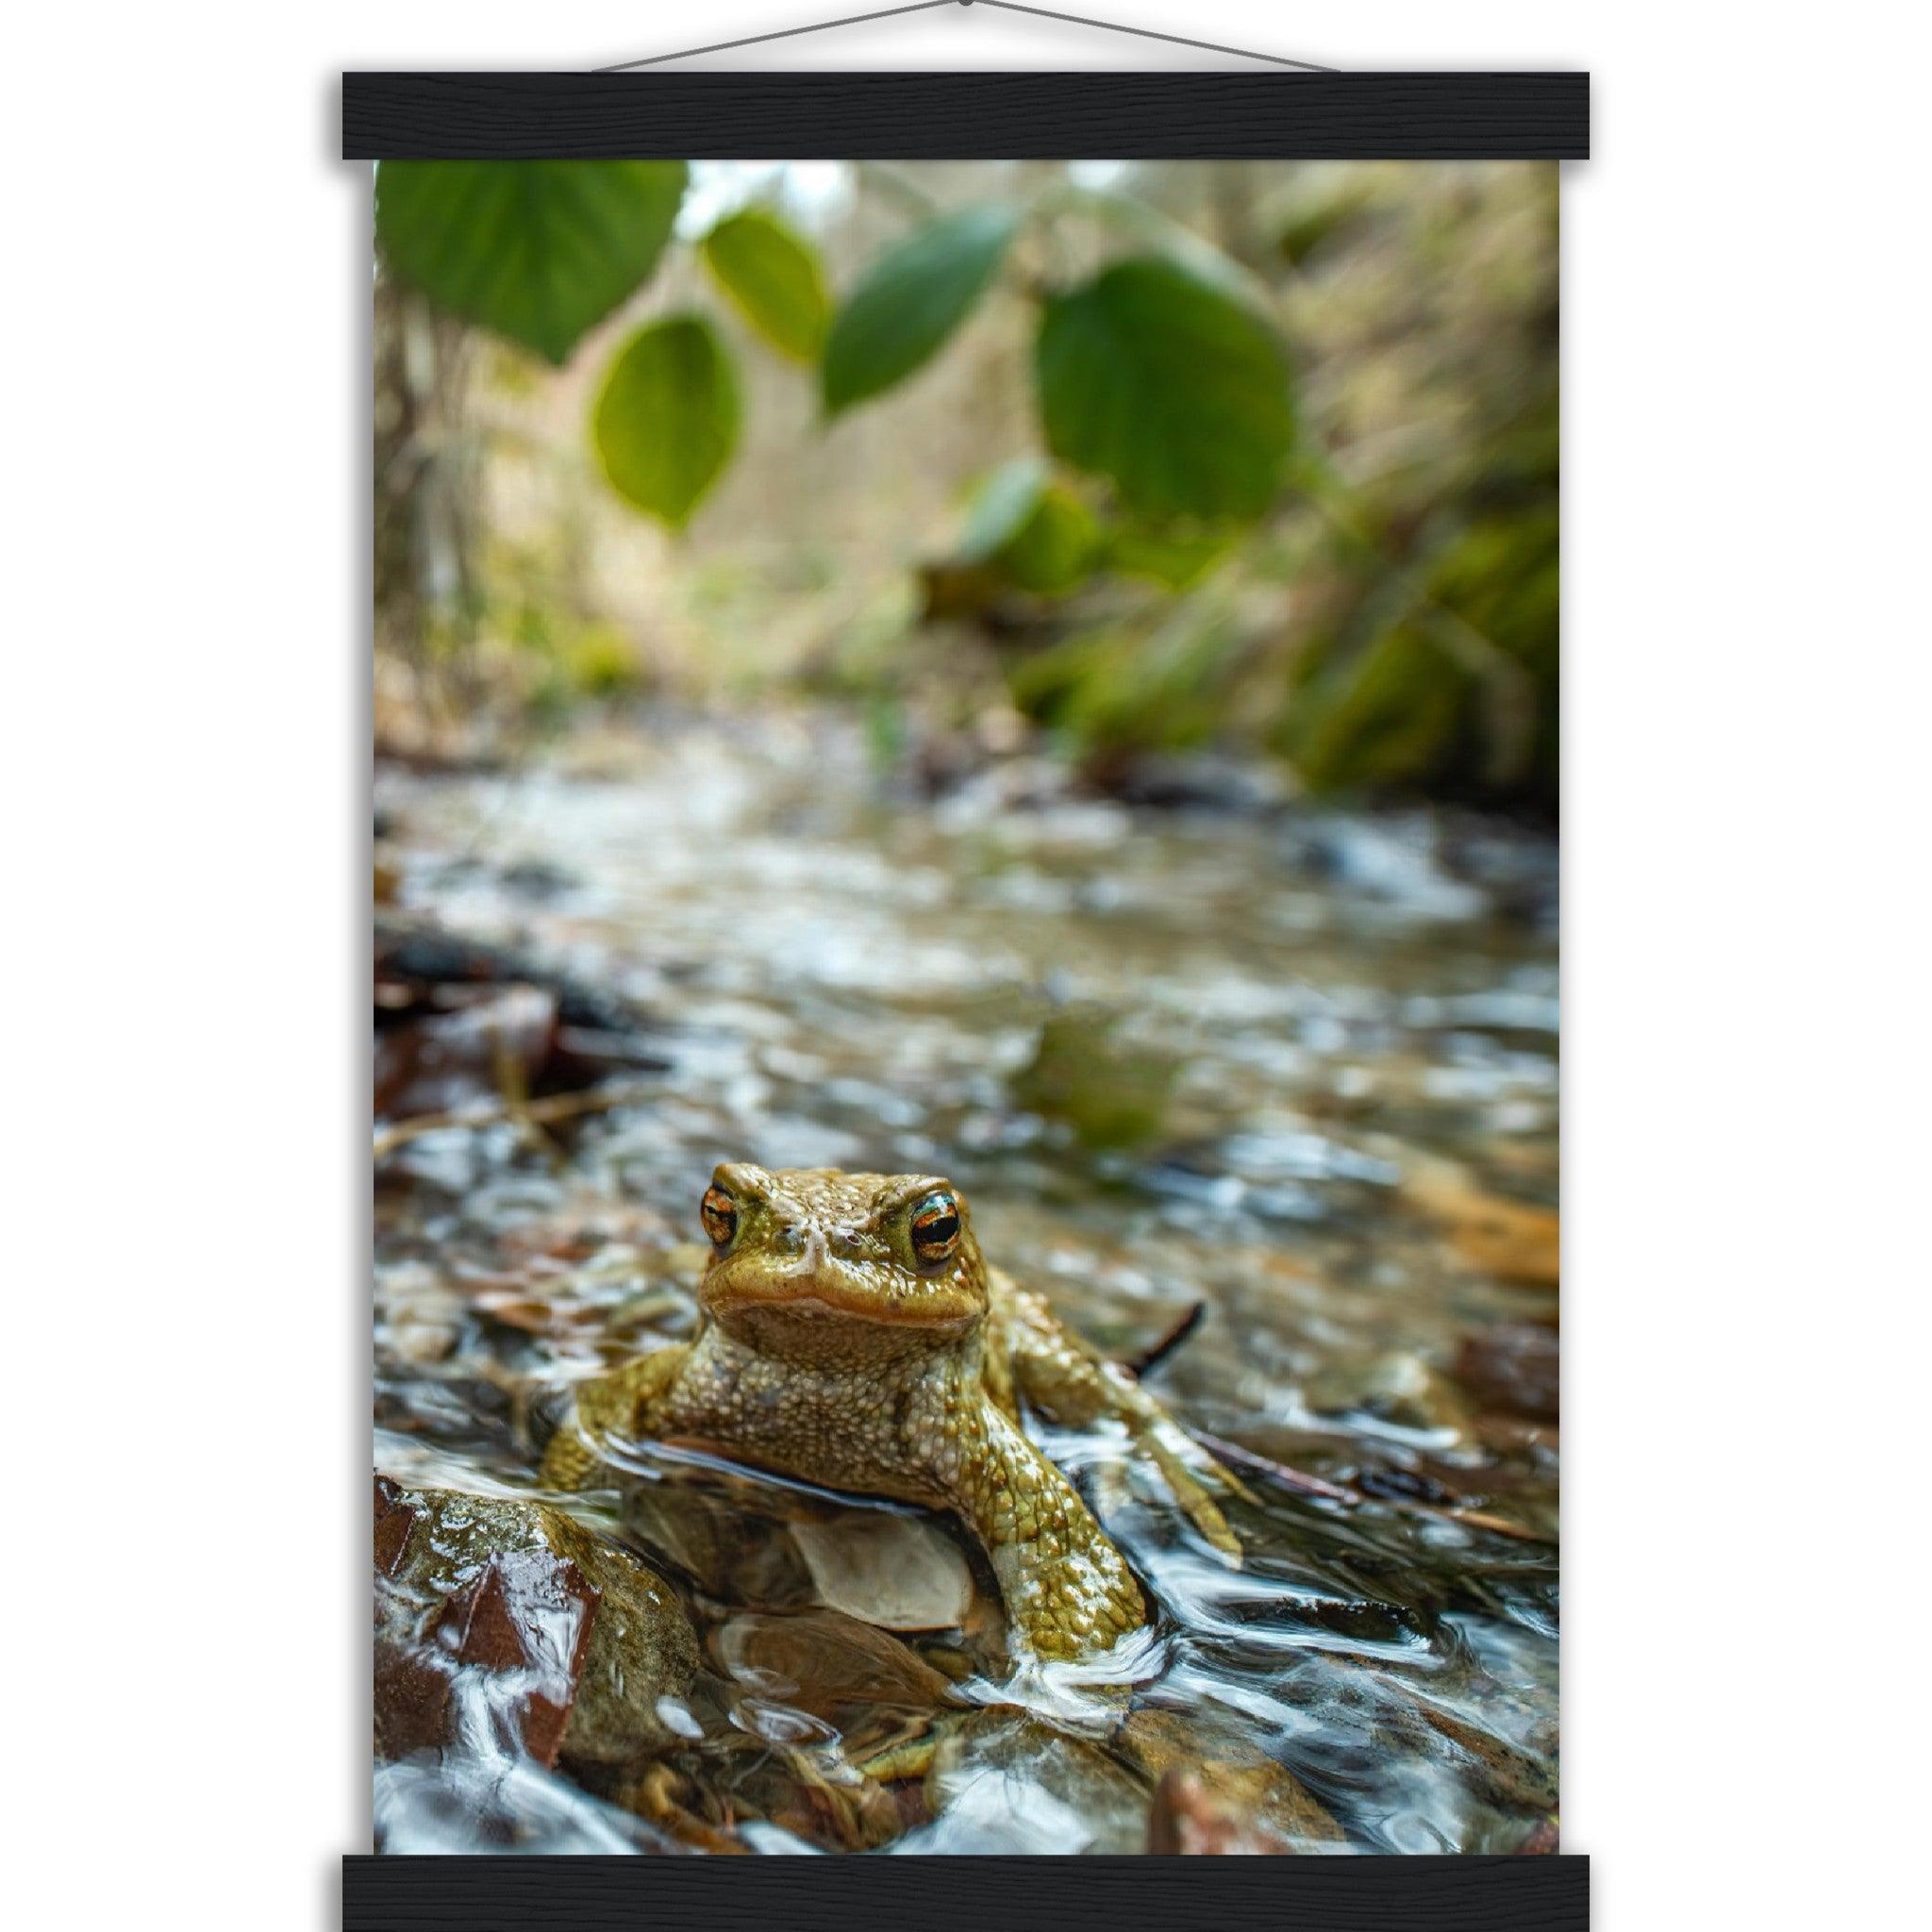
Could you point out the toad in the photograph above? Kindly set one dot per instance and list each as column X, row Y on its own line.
column 852, row 1334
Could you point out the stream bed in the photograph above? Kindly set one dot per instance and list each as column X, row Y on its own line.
column 1277, row 1080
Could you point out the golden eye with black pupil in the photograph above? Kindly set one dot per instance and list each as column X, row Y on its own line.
column 719, row 1213
column 936, row 1229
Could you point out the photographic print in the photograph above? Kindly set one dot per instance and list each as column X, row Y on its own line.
column 965, row 1001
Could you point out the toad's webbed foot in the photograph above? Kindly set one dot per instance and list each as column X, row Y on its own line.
column 1188, row 1470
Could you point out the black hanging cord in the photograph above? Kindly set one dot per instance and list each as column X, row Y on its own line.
column 819, row 26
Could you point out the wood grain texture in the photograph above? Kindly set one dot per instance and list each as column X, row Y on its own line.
column 1308, row 1894
column 966, row 116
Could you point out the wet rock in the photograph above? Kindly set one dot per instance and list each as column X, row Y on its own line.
column 1396, row 1389
column 572, row 1642
column 491, row 1044
column 1394, row 858
column 897, row 1572
column 1215, row 1793
column 1186, row 1819
column 827, row 1664
column 813, row 1798
column 1545, row 1838
column 418, row 961
column 539, row 880
column 1190, row 781
column 395, row 1520
column 1519, row 869
column 1511, row 1778
column 418, row 1318
column 1005, row 1782
column 716, row 1529
column 1515, row 1367
column 460, row 1021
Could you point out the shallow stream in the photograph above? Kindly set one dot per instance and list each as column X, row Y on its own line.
column 1294, row 1066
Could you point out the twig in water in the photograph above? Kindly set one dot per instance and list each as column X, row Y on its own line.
column 1303, row 1484
column 1157, row 1352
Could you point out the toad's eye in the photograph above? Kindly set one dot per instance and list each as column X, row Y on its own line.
column 719, row 1213
column 936, row 1229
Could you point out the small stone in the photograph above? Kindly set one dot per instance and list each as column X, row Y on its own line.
column 1512, row 1366
column 827, row 1663
column 897, row 1572
column 1218, row 1794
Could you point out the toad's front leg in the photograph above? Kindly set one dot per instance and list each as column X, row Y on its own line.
column 626, row 1406
column 1061, row 1376
column 1068, row 1590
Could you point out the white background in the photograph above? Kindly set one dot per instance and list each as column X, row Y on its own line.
column 185, row 618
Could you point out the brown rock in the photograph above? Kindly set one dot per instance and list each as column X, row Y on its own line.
column 826, row 1663
column 394, row 1519
column 1217, row 1793
column 1185, row 1821
column 583, row 1638
column 1514, row 1366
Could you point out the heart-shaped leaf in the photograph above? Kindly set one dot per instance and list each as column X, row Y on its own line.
column 1175, row 390
column 666, row 420
column 909, row 301
column 774, row 279
column 538, row 251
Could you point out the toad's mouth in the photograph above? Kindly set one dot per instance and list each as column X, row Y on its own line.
column 823, row 1297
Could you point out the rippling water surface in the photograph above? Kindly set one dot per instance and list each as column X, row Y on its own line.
column 1298, row 1067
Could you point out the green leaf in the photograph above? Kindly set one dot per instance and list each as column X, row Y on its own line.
column 666, row 420
column 1033, row 532
column 1000, row 507
column 1053, row 551
column 538, row 251
column 1176, row 392
column 772, row 278
column 1173, row 556
column 909, row 301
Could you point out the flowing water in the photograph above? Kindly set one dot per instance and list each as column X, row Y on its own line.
column 1296, row 1067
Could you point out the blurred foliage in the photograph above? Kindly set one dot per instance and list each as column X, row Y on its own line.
column 773, row 276
column 1293, row 488
column 909, row 301
column 667, row 419
column 537, row 251
column 1167, row 388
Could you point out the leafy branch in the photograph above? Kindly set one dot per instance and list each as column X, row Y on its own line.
column 1153, row 375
